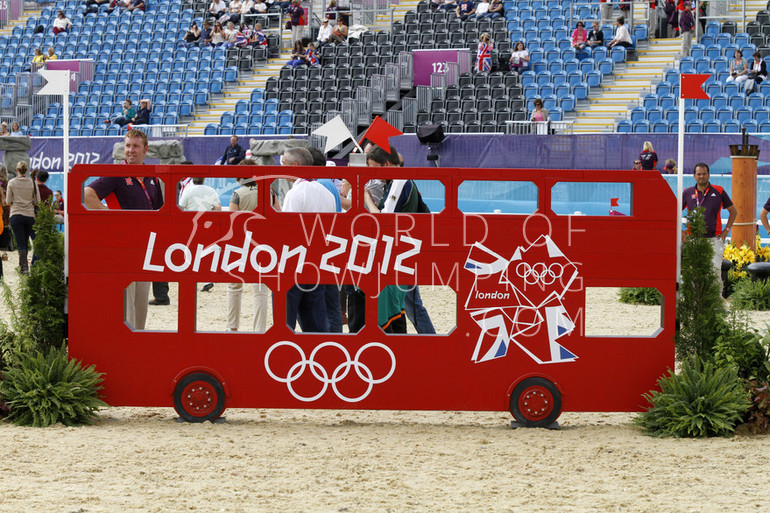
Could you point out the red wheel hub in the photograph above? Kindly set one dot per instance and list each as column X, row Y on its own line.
column 199, row 398
column 536, row 403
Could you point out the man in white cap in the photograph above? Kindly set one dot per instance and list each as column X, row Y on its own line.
column 324, row 32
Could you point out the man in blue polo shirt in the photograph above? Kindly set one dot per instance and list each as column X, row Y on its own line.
column 129, row 193
column 712, row 198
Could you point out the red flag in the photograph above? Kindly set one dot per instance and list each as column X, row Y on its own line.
column 691, row 86
column 614, row 202
column 379, row 132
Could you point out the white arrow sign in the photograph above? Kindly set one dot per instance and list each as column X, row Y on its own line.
column 58, row 82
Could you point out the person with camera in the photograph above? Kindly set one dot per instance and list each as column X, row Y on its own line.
column 484, row 53
column 757, row 73
column 739, row 68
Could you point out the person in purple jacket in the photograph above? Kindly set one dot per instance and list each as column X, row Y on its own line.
column 686, row 26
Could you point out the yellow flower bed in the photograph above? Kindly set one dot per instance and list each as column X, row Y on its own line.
column 743, row 256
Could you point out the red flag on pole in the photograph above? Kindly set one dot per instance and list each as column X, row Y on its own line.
column 614, row 202
column 691, row 86
column 379, row 132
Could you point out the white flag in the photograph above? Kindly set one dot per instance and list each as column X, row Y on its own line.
column 58, row 82
column 335, row 131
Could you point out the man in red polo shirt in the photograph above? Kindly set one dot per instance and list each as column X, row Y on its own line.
column 129, row 193
column 712, row 198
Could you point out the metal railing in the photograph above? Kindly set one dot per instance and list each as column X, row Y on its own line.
column 539, row 127
column 163, row 130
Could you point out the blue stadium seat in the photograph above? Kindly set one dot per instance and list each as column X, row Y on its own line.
column 694, row 126
column 638, row 114
column 666, row 100
column 736, row 100
column 671, row 114
column 707, row 113
column 697, row 51
column 761, row 114
column 641, row 126
column 764, row 126
column 580, row 91
column 743, row 113
column 624, row 126
column 654, row 114
column 731, row 126
column 751, row 126
column 660, row 126
column 719, row 100
column 725, row 113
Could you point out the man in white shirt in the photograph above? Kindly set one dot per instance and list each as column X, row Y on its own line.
column 306, row 303
column 199, row 197
column 482, row 10
column 324, row 32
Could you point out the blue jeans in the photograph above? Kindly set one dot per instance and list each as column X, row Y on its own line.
column 333, row 311
column 308, row 305
column 416, row 313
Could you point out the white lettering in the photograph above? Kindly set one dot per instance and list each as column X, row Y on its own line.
column 178, row 246
column 492, row 295
column 200, row 253
column 417, row 243
column 148, row 256
column 243, row 251
column 325, row 265
column 287, row 253
column 262, row 269
column 357, row 240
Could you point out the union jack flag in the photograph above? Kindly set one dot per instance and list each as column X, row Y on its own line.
column 484, row 57
column 312, row 60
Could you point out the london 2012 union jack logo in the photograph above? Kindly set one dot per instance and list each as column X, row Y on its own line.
column 519, row 301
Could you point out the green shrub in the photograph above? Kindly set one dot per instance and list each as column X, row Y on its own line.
column 702, row 400
column 740, row 345
column 640, row 296
column 46, row 388
column 700, row 308
column 751, row 295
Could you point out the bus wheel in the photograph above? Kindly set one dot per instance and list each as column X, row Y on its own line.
column 199, row 397
column 535, row 402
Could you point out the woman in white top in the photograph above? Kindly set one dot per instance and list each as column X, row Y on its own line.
column 233, row 12
column 61, row 23
column 519, row 58
column 230, row 32
column 217, row 35
column 622, row 36
column 218, row 8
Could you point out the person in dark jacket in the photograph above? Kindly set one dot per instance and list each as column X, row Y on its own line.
column 686, row 27
column 757, row 73
column 233, row 153
column 673, row 17
column 143, row 114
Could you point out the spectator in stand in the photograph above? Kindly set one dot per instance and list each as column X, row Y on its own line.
column 260, row 7
column 142, row 116
column 39, row 58
column 484, row 53
column 579, row 36
column 23, row 197
column 605, row 6
column 596, row 36
column 258, row 37
column 217, row 8
column 637, row 165
column 310, row 55
column 448, row 5
column 61, row 23
column 757, row 73
column 230, row 34
column 670, row 167
column 686, row 28
column 234, row 153
column 234, row 12
column 465, row 9
column 648, row 157
column 4, row 129
column 16, row 130
column 218, row 35
column 739, row 68
column 673, row 18
column 136, row 5
column 205, row 37
column 496, row 9
column 339, row 32
column 539, row 114
column 519, row 58
column 193, row 34
column 622, row 36
column 51, row 54
column 298, row 55
column 324, row 33
column 481, row 11
column 331, row 10
column 297, row 17
column 129, row 112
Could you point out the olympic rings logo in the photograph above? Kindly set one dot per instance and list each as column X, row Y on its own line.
column 321, row 374
column 539, row 272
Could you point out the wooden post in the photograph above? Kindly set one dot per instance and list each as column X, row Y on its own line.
column 744, row 198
